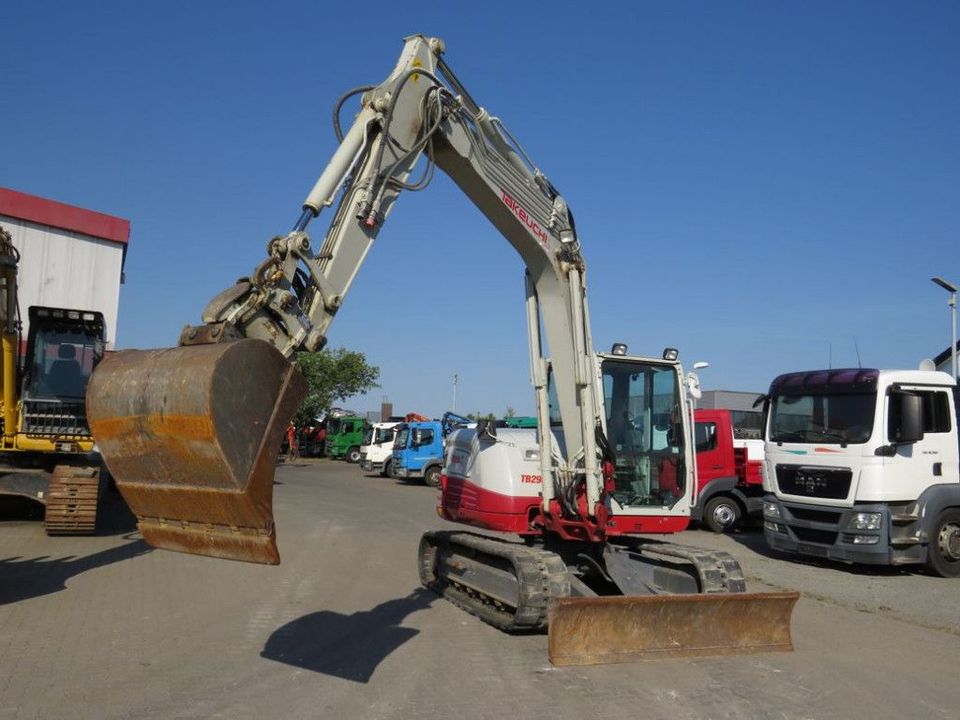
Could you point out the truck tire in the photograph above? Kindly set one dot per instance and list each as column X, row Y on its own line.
column 431, row 476
column 387, row 469
column 943, row 552
column 722, row 513
column 353, row 455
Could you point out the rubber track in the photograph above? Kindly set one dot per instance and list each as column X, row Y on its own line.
column 718, row 571
column 540, row 575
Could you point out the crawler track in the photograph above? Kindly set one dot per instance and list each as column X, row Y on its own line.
column 72, row 499
column 717, row 571
column 504, row 584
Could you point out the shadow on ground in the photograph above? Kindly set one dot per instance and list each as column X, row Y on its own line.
column 346, row 646
column 22, row 579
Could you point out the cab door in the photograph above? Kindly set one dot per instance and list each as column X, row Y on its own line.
column 712, row 460
column 933, row 460
column 424, row 446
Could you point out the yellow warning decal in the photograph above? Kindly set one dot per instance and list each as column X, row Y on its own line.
column 416, row 63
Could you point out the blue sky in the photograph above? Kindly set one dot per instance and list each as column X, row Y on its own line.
column 760, row 184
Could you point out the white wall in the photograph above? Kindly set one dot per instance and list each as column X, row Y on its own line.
column 64, row 269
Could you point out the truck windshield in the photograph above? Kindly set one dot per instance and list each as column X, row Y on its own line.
column 645, row 430
column 368, row 437
column 834, row 419
column 401, row 440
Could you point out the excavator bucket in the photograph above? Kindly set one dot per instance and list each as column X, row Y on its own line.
column 191, row 436
column 600, row 630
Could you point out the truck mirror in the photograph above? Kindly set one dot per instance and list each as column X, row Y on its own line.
column 906, row 418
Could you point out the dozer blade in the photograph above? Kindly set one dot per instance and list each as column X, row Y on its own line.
column 599, row 630
column 191, row 436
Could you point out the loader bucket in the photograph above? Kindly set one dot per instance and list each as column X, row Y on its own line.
column 191, row 436
column 600, row 630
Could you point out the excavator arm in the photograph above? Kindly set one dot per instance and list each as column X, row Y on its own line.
column 189, row 432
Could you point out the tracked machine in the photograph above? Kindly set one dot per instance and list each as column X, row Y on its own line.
column 46, row 450
column 190, row 433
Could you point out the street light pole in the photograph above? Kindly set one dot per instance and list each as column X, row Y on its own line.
column 952, row 289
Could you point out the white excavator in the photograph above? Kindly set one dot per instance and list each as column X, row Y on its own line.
column 191, row 433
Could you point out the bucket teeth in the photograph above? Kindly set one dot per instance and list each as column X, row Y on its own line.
column 191, row 436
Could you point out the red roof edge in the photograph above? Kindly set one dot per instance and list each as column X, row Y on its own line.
column 66, row 217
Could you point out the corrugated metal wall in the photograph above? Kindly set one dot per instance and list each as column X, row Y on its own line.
column 64, row 269
column 728, row 399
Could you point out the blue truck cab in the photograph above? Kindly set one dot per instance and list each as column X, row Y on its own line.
column 418, row 450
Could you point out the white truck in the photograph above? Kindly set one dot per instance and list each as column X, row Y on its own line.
column 377, row 448
column 862, row 466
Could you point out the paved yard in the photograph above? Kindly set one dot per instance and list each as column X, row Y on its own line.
column 104, row 627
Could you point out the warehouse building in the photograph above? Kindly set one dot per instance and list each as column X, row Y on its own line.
column 747, row 419
column 70, row 257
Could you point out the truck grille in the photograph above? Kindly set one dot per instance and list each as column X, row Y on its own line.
column 821, row 516
column 54, row 418
column 823, row 537
column 811, row 481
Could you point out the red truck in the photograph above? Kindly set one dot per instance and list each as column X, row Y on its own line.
column 729, row 473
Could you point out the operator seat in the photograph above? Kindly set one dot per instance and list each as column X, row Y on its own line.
column 65, row 378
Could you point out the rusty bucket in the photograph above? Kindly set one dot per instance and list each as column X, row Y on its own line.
column 191, row 437
column 595, row 631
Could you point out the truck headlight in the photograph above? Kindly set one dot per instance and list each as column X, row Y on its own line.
column 865, row 521
column 866, row 539
column 774, row 527
column 771, row 510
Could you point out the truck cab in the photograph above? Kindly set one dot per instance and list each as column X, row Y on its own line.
column 729, row 472
column 344, row 437
column 861, row 465
column 376, row 452
column 418, row 451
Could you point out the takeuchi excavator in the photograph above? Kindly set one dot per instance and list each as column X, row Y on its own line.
column 191, row 433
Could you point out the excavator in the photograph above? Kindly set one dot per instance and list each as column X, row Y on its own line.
column 47, row 455
column 190, row 433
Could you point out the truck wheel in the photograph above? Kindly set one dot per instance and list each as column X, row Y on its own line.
column 721, row 514
column 387, row 468
column 353, row 455
column 432, row 476
column 943, row 552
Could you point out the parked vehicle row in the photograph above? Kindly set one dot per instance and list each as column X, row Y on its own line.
column 856, row 465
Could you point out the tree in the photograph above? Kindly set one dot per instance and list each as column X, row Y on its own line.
column 332, row 375
column 510, row 412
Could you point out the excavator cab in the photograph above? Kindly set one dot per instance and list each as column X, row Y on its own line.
column 63, row 348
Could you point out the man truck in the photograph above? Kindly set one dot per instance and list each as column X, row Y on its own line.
column 862, row 466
